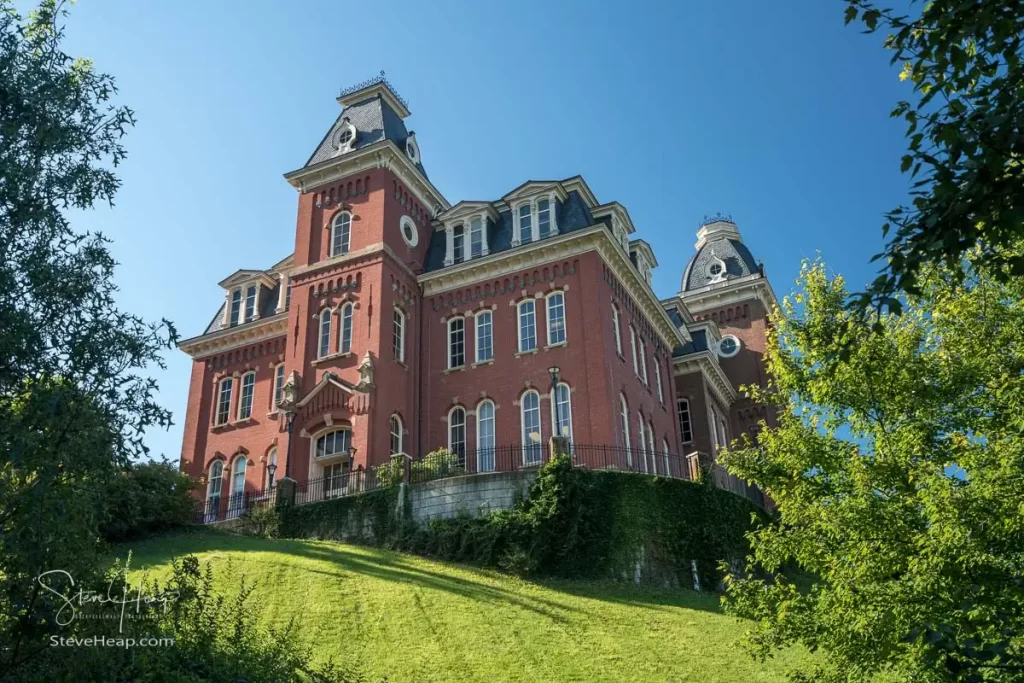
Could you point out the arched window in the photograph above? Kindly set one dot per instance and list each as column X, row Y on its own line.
column 543, row 218
column 332, row 450
column 525, row 224
column 324, row 347
column 476, row 238
column 657, row 375
column 396, row 434
column 456, row 342
column 624, row 417
column 457, row 433
column 213, row 489
column 341, row 231
column 641, row 432
column 527, row 325
column 250, row 303
column 224, row 400
column 632, row 347
column 458, row 244
column 650, row 448
column 278, row 385
column 484, row 336
column 532, row 442
column 398, row 335
column 616, row 330
column 561, row 411
column 271, row 468
column 665, row 454
column 345, row 333
column 245, row 398
column 685, row 426
column 556, row 318
column 236, row 503
column 485, row 436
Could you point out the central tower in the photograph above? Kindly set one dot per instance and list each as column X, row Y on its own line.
column 361, row 236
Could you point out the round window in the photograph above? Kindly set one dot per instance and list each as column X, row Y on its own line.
column 715, row 269
column 409, row 232
column 728, row 346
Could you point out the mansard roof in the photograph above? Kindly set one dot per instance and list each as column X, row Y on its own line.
column 377, row 113
column 718, row 240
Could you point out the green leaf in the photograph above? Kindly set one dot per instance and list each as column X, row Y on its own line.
column 851, row 14
column 906, row 163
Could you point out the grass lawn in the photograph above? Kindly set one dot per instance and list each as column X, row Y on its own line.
column 412, row 619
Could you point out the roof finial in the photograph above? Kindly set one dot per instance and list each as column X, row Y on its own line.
column 716, row 218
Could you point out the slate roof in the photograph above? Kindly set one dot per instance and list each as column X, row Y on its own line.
column 570, row 215
column 374, row 120
column 698, row 342
column 738, row 262
column 268, row 306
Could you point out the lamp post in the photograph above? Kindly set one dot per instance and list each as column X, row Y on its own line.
column 555, row 371
column 271, row 470
column 289, row 417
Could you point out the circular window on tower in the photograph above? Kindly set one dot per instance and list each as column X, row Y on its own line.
column 409, row 232
column 728, row 346
column 345, row 136
column 715, row 269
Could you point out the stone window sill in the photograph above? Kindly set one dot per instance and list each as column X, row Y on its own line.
column 330, row 357
column 556, row 346
column 520, row 354
column 460, row 368
column 489, row 361
column 244, row 421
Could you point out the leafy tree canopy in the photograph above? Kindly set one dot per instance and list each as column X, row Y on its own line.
column 965, row 128
column 898, row 472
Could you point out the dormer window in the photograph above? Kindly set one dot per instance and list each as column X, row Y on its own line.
column 236, row 307
column 476, row 237
column 535, row 220
column 458, row 244
column 345, row 137
column 250, row 303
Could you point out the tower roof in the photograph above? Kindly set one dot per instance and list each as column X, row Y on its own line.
column 371, row 111
column 721, row 255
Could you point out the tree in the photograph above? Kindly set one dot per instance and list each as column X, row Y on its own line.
column 897, row 470
column 966, row 139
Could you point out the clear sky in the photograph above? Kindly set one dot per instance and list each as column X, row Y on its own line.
column 773, row 112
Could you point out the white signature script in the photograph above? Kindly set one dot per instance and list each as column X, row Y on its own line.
column 81, row 597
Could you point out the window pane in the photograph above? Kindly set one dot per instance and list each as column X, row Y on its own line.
column 457, row 434
column 325, row 334
column 341, row 234
column 484, row 343
column 564, row 411
column 458, row 244
column 250, row 304
column 527, row 326
column 456, row 342
column 224, row 401
column 525, row 225
column 532, row 453
column 556, row 319
column 279, row 385
column 345, row 343
column 485, row 436
column 245, row 400
column 398, row 336
column 236, row 307
column 685, row 428
column 476, row 238
column 396, row 435
column 543, row 218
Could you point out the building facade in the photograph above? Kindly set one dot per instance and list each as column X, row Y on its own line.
column 402, row 323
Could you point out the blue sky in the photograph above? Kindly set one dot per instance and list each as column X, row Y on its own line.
column 773, row 112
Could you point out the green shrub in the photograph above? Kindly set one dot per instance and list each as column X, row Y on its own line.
column 146, row 498
column 435, row 465
column 263, row 521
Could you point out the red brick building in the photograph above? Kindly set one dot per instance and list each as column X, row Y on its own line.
column 402, row 323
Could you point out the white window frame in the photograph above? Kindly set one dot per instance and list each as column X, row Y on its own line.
column 346, row 320
column 643, row 363
column 250, row 311
column 657, row 375
column 241, row 394
column 452, row 445
column 632, row 346
column 519, row 223
column 551, row 218
column 477, row 234
column 278, row 394
column 485, row 452
column 642, row 428
column 459, row 239
column 398, row 334
column 617, row 329
column 565, row 326
column 478, row 347
column 686, row 426
column 450, row 346
column 533, row 215
column 236, row 499
column 533, row 453
column 326, row 316
column 214, row 492
column 235, row 308
column 346, row 242
column 666, row 457
column 218, row 420
column 566, row 416
column 624, row 418
column 519, row 323
column 397, row 433
column 651, row 448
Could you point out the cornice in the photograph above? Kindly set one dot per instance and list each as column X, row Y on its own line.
column 382, row 154
column 706, row 364
column 595, row 238
column 366, row 255
column 234, row 337
column 730, row 292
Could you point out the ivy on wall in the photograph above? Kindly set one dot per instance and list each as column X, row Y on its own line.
column 574, row 524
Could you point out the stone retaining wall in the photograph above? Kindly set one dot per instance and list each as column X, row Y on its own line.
column 472, row 494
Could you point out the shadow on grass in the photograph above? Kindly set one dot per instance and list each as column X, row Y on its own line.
column 387, row 565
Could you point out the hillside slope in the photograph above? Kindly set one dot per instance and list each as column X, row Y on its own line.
column 411, row 619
